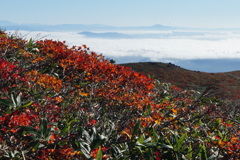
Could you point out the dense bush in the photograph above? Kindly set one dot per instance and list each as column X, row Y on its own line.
column 61, row 102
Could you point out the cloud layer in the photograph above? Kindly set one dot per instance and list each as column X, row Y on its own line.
column 183, row 45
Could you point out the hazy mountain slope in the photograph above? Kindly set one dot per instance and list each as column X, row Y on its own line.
column 222, row 85
column 79, row 27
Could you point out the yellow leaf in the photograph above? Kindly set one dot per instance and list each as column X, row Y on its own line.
column 174, row 111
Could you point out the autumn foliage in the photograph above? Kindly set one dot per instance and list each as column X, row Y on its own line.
column 61, row 102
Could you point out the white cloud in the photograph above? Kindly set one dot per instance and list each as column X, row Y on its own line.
column 208, row 45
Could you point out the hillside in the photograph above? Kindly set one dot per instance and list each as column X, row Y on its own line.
column 63, row 102
column 221, row 85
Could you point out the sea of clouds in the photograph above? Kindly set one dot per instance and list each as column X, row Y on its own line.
column 161, row 46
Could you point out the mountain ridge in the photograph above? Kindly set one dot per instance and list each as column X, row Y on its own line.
column 224, row 85
column 90, row 27
column 78, row 27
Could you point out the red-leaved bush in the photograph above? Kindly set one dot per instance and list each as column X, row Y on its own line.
column 61, row 102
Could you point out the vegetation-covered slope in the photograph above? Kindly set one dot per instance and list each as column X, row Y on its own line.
column 222, row 85
column 61, row 102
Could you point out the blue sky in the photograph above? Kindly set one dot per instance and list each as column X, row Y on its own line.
column 187, row 13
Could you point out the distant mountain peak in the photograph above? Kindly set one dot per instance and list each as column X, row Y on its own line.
column 76, row 27
column 104, row 35
column 158, row 25
column 6, row 23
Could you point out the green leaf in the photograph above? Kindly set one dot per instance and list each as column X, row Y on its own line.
column 26, row 105
column 147, row 140
column 141, row 139
column 30, row 42
column 136, row 128
column 203, row 153
column 84, row 150
column 212, row 157
column 180, row 141
column 189, row 151
column 220, row 134
column 99, row 154
column 139, row 144
column 151, row 144
column 166, row 146
column 14, row 101
column 18, row 100
column 27, row 129
column 173, row 139
column 44, row 128
column 139, row 147
column 34, row 144
column 155, row 135
column 94, row 134
column 86, row 135
column 30, row 138
column 6, row 102
column 97, row 141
